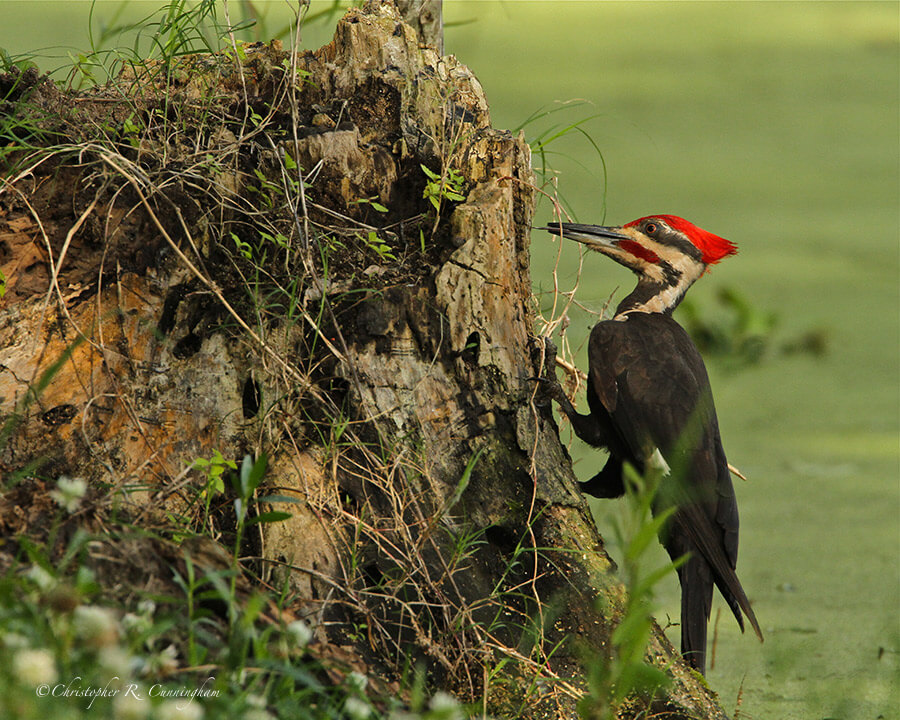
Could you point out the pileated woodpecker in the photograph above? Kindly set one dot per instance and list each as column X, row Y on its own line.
column 651, row 405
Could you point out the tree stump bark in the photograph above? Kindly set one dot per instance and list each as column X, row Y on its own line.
column 426, row 18
column 334, row 272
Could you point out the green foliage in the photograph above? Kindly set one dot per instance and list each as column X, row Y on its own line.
column 737, row 331
column 544, row 132
column 625, row 671
column 88, row 659
column 22, row 126
column 215, row 469
column 243, row 247
column 445, row 186
column 179, row 28
column 9, row 63
column 371, row 202
column 272, row 192
column 131, row 130
column 276, row 239
column 742, row 331
column 72, row 654
column 381, row 249
column 245, row 484
column 267, row 189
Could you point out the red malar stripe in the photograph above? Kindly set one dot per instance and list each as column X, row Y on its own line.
column 638, row 250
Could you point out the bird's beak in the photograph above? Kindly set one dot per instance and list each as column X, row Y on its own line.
column 595, row 237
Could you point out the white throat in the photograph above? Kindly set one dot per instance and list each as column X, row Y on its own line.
column 669, row 295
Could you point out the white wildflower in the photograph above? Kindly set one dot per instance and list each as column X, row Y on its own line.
column 256, row 701
column 41, row 577
column 179, row 710
column 257, row 714
column 131, row 705
column 164, row 662
column 136, row 624
column 115, row 661
column 299, row 633
column 69, row 492
column 140, row 622
column 357, row 681
column 34, row 667
column 257, row 709
column 357, row 708
column 445, row 706
column 97, row 626
column 14, row 641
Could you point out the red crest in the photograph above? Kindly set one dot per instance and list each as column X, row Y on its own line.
column 712, row 247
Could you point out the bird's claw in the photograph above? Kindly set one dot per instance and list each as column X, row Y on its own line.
column 544, row 356
column 539, row 399
column 548, row 388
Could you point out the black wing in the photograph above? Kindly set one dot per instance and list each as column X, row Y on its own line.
column 648, row 378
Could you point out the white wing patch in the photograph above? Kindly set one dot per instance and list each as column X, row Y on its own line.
column 658, row 462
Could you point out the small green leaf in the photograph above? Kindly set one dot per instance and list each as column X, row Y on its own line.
column 645, row 585
column 270, row 517
column 251, row 474
column 281, row 499
column 464, row 480
column 430, row 173
column 242, row 481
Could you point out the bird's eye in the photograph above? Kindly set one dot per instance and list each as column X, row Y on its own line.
column 650, row 228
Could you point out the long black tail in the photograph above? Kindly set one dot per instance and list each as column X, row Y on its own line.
column 723, row 574
column 696, row 602
column 697, row 578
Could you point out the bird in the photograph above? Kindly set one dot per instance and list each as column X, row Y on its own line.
column 651, row 406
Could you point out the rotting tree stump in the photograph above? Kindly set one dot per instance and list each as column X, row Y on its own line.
column 248, row 263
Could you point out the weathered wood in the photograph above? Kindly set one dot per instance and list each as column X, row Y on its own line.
column 426, row 18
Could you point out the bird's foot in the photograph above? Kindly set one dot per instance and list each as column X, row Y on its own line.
column 543, row 356
column 536, row 397
column 548, row 386
column 548, row 389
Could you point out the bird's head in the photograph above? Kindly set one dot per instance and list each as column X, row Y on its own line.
column 665, row 251
column 662, row 248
